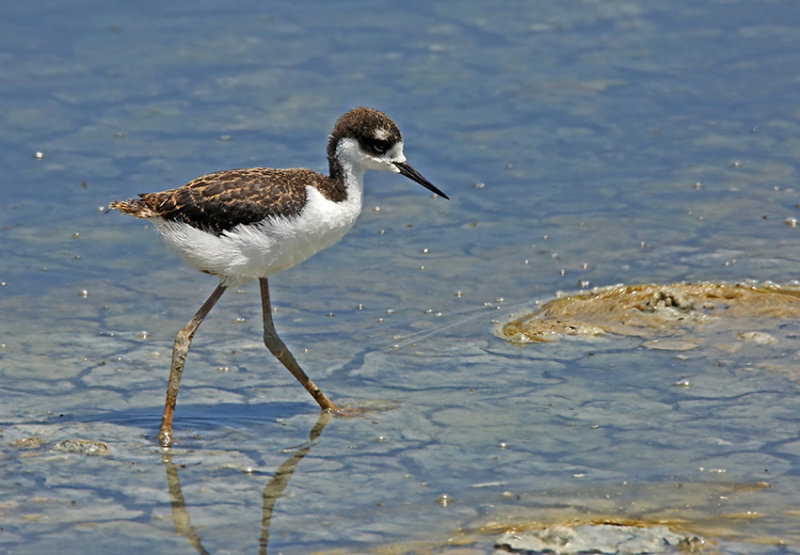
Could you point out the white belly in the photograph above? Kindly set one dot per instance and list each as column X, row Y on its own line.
column 252, row 251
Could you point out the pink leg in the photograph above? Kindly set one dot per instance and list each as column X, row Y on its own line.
column 281, row 352
column 179, row 351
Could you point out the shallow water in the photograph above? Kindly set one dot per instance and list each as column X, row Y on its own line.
column 610, row 143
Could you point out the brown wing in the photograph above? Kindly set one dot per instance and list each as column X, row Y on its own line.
column 220, row 201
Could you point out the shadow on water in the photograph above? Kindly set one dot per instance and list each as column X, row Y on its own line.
column 197, row 417
column 273, row 490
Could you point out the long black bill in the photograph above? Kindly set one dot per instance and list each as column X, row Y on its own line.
column 409, row 171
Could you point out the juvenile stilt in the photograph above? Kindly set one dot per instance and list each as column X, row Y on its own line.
column 247, row 224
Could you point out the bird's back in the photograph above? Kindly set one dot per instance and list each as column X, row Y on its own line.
column 220, row 201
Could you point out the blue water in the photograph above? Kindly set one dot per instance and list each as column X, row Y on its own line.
column 581, row 144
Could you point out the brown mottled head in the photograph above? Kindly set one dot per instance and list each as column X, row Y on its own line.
column 375, row 131
column 366, row 139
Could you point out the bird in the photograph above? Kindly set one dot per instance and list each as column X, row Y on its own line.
column 242, row 225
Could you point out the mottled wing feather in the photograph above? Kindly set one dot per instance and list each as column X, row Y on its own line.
column 220, row 201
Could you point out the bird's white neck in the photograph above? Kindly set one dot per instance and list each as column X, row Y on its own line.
column 348, row 166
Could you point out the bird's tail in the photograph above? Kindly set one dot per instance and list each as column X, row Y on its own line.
column 134, row 207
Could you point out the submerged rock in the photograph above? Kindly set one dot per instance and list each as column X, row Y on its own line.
column 650, row 310
column 82, row 447
column 598, row 538
column 33, row 442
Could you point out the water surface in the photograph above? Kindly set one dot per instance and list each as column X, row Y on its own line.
column 602, row 143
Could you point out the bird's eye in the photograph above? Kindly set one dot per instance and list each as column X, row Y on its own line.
column 379, row 146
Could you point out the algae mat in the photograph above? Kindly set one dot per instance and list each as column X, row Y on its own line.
column 657, row 310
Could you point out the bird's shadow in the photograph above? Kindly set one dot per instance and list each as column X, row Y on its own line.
column 194, row 419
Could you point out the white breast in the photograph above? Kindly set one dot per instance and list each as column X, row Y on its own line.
column 252, row 251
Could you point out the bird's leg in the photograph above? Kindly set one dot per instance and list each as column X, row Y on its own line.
column 282, row 353
column 179, row 351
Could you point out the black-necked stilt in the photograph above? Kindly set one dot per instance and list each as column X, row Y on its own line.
column 247, row 224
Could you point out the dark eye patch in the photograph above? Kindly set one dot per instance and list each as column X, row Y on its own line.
column 378, row 146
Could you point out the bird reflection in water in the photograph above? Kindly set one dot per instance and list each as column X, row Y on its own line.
column 273, row 490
